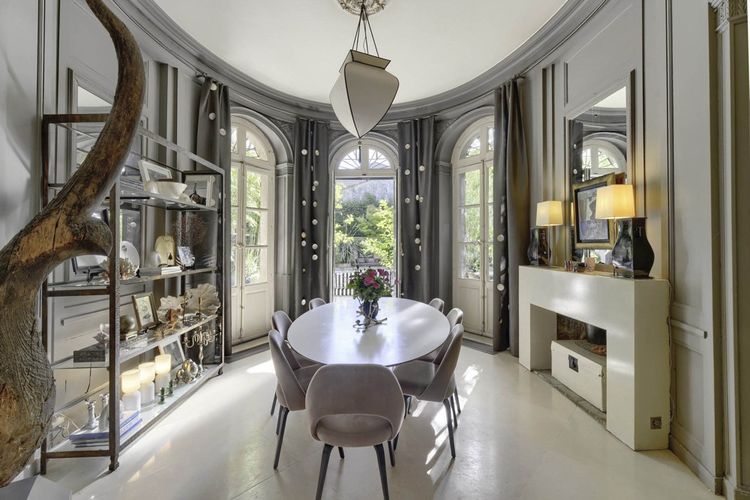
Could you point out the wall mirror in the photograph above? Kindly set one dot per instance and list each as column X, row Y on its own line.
column 598, row 151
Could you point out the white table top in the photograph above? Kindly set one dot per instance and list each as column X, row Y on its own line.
column 327, row 334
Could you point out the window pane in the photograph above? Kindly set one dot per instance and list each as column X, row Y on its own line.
column 377, row 160
column 470, row 187
column 489, row 223
column 472, row 148
column 235, row 224
column 234, row 186
column 490, row 269
column 490, row 183
column 352, row 161
column 256, row 227
column 235, row 147
column 469, row 261
column 251, row 150
column 491, row 139
column 233, row 266
column 469, row 228
column 256, row 185
column 255, row 266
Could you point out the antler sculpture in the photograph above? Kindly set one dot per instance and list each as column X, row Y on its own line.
column 63, row 229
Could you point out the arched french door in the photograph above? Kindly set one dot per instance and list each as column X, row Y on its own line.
column 364, row 212
column 472, row 221
column 252, row 232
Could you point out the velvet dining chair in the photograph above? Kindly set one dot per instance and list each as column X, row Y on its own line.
column 316, row 302
column 281, row 323
column 438, row 304
column 355, row 406
column 434, row 382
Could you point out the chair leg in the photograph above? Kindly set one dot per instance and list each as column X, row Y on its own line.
column 406, row 405
column 447, row 405
column 453, row 409
column 323, row 469
column 458, row 403
column 273, row 403
column 390, row 452
column 341, row 452
column 283, row 413
column 409, row 406
column 395, row 441
column 278, row 421
column 381, row 464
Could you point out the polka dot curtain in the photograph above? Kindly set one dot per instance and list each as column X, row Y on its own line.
column 418, row 252
column 512, row 221
column 312, row 182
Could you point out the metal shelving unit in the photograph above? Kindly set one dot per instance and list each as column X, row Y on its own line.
column 65, row 150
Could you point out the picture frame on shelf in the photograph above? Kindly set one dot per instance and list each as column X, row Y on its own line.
column 144, row 307
column 151, row 171
column 590, row 232
column 174, row 349
column 186, row 257
column 201, row 189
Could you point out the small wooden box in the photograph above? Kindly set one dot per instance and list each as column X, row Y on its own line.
column 581, row 371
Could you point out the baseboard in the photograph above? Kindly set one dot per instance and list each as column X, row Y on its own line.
column 732, row 492
column 713, row 483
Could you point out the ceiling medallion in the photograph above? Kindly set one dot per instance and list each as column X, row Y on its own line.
column 371, row 6
column 364, row 90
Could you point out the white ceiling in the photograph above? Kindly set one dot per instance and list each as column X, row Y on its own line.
column 297, row 46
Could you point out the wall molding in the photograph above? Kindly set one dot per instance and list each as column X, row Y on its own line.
column 727, row 11
column 156, row 24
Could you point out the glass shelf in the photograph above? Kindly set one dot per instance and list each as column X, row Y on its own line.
column 97, row 287
column 135, row 347
column 149, row 415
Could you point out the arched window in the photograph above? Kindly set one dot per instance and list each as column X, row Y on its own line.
column 252, row 191
column 473, row 206
column 364, row 230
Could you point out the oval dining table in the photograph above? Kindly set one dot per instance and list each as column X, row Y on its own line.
column 328, row 334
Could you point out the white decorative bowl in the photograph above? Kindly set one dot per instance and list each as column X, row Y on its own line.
column 171, row 189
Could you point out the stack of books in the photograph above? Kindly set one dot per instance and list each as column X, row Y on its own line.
column 83, row 438
column 160, row 271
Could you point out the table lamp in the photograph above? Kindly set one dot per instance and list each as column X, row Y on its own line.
column 131, row 395
column 632, row 255
column 147, row 373
column 548, row 214
column 163, row 369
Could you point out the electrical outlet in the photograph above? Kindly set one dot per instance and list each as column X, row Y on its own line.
column 655, row 423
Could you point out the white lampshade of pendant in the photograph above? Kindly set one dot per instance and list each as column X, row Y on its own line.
column 363, row 93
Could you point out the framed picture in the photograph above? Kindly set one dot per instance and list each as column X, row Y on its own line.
column 152, row 172
column 201, row 189
column 187, row 259
column 175, row 350
column 591, row 232
column 145, row 310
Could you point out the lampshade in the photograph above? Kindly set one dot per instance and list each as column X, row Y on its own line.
column 163, row 363
column 549, row 213
column 615, row 202
column 363, row 93
column 147, row 371
column 131, row 381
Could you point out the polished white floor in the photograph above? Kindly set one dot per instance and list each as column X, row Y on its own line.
column 518, row 438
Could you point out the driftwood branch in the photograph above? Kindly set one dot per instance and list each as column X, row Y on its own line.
column 63, row 229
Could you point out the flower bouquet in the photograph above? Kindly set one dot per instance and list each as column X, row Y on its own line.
column 367, row 287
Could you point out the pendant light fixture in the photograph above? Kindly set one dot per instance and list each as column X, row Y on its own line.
column 364, row 91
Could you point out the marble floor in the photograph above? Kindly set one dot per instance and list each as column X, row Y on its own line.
column 518, row 438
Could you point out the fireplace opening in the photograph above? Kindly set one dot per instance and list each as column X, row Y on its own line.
column 588, row 336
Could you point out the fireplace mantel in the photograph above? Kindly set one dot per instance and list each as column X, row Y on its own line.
column 635, row 315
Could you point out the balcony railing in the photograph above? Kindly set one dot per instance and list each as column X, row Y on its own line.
column 342, row 276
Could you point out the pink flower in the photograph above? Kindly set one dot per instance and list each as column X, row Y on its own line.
column 382, row 272
column 368, row 280
column 375, row 285
column 371, row 273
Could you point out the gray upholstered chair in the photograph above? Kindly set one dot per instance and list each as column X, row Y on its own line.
column 316, row 302
column 355, row 406
column 438, row 304
column 434, row 382
column 293, row 380
column 455, row 317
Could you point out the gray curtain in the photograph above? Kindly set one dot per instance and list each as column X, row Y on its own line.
column 213, row 142
column 418, row 207
column 311, row 214
column 511, row 217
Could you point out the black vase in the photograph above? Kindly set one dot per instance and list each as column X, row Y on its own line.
column 370, row 308
column 632, row 255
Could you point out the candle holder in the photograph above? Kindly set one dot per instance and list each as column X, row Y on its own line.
column 202, row 337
